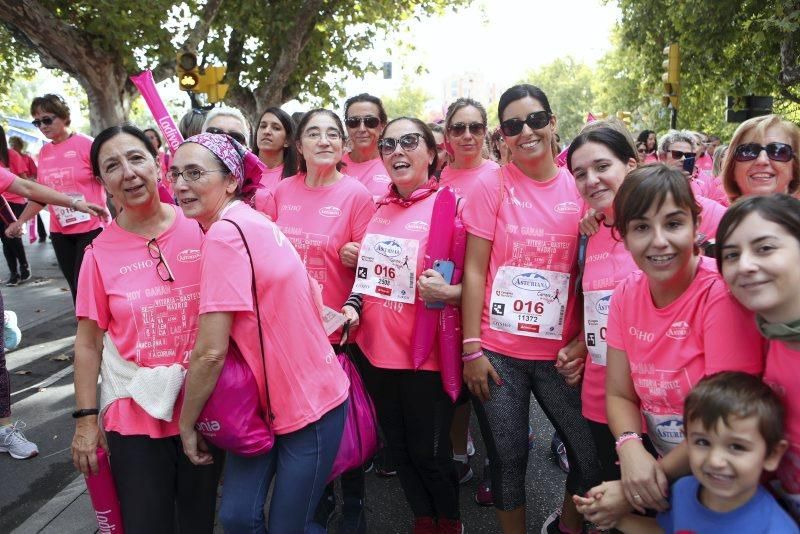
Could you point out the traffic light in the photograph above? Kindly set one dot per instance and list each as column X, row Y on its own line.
column 671, row 77
column 212, row 84
column 188, row 74
column 625, row 116
column 741, row 108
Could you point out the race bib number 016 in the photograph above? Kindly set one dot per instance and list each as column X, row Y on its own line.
column 68, row 216
column 387, row 268
column 529, row 302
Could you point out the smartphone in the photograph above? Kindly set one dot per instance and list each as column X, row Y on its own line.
column 445, row 268
column 688, row 164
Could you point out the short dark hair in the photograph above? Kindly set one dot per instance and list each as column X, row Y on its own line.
column 462, row 103
column 301, row 161
column 366, row 97
column 111, row 132
column 3, row 148
column 735, row 394
column 608, row 137
column 648, row 186
column 778, row 208
column 427, row 137
column 52, row 103
column 289, row 151
column 155, row 132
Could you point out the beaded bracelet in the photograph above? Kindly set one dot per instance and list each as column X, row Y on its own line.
column 471, row 340
column 471, row 356
column 626, row 436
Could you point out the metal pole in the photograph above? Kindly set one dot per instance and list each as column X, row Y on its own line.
column 673, row 119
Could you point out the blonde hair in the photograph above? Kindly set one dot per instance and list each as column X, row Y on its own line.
column 757, row 127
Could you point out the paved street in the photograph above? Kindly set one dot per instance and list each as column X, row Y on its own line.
column 45, row 494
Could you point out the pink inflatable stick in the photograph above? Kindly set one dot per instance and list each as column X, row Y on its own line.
column 147, row 87
column 450, row 364
column 439, row 239
column 103, row 495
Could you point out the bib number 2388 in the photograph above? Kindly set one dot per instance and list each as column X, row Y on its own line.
column 529, row 302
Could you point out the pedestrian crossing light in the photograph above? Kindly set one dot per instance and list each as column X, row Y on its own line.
column 671, row 76
column 188, row 74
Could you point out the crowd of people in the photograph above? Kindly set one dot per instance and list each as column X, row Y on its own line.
column 643, row 291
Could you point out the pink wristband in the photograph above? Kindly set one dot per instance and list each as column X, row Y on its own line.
column 471, row 340
column 471, row 356
column 626, row 437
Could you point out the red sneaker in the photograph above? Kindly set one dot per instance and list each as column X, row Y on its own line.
column 425, row 525
column 450, row 526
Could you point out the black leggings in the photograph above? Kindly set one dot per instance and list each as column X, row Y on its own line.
column 69, row 250
column 5, row 382
column 13, row 249
column 416, row 414
column 159, row 488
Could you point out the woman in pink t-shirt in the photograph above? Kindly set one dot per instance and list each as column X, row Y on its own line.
column 64, row 166
column 275, row 147
column 13, row 249
column 306, row 389
column 759, row 251
column 365, row 119
column 670, row 324
column 520, row 309
column 137, row 313
column 413, row 410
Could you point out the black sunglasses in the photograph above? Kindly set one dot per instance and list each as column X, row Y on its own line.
column 535, row 121
column 47, row 121
column 677, row 154
column 458, row 129
column 162, row 268
column 369, row 121
column 236, row 135
column 388, row 145
column 775, row 151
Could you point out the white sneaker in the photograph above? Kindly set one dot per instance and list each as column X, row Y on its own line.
column 14, row 442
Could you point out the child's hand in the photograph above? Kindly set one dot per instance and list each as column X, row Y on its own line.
column 604, row 505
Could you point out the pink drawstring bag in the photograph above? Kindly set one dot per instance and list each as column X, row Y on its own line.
column 103, row 494
column 360, row 436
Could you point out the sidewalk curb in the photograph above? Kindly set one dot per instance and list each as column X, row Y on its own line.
column 53, row 508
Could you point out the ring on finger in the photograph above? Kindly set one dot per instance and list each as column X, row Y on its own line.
column 637, row 497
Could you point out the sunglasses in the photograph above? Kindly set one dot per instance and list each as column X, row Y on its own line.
column 236, row 135
column 163, row 270
column 47, row 121
column 388, row 145
column 535, row 121
column 677, row 154
column 775, row 151
column 369, row 121
column 457, row 129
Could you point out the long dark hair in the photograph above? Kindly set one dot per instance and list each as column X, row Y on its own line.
column 111, row 132
column 289, row 151
column 3, row 147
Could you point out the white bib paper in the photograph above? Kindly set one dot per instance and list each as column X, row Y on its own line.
column 595, row 321
column 664, row 430
column 387, row 268
column 68, row 216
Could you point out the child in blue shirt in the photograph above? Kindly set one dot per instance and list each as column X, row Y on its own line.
column 734, row 432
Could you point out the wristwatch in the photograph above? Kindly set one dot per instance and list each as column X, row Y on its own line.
column 85, row 412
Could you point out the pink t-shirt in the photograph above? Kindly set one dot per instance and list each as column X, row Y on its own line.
column 66, row 167
column 652, row 157
column 461, row 181
column 151, row 322
column 6, row 179
column 710, row 214
column 270, row 178
column 705, row 162
column 670, row 349
column 607, row 263
column 319, row 221
column 389, row 264
column 710, row 186
column 305, row 378
column 782, row 373
column 18, row 166
column 530, row 309
column 371, row 173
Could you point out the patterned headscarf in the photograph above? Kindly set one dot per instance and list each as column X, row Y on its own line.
column 243, row 164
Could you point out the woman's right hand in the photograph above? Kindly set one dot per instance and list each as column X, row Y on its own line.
column 590, row 223
column 476, row 376
column 84, row 445
column 352, row 319
column 643, row 480
column 14, row 229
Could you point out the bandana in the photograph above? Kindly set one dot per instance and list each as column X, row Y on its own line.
column 242, row 164
column 788, row 332
column 423, row 191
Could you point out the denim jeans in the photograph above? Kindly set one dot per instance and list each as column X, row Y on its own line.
column 299, row 463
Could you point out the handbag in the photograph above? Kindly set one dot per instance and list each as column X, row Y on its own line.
column 232, row 418
column 360, row 435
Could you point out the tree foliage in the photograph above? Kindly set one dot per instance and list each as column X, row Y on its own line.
column 408, row 101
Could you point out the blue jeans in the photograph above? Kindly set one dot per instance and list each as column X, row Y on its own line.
column 299, row 462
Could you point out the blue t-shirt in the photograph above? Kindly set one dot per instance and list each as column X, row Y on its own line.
column 687, row 514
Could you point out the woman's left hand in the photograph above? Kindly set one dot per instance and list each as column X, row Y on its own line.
column 571, row 360
column 195, row 447
column 93, row 209
column 432, row 287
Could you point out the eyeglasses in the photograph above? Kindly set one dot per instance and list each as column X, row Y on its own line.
column 190, row 175
column 775, row 151
column 535, row 121
column 236, row 135
column 369, row 121
column 458, row 129
column 47, row 121
column 642, row 151
column 677, row 154
column 163, row 270
column 409, row 141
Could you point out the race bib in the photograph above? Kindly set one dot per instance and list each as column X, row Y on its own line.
column 68, row 216
column 387, row 268
column 332, row 320
column 595, row 320
column 664, row 430
column 529, row 302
